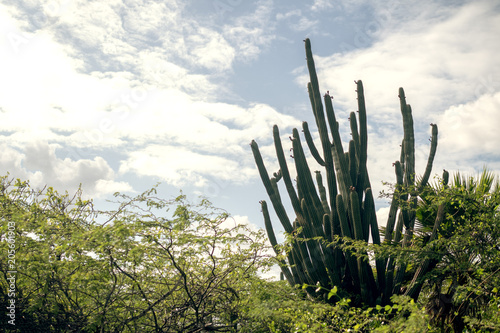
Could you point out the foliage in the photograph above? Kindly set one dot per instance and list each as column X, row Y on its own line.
column 154, row 265
column 151, row 265
column 465, row 255
column 278, row 308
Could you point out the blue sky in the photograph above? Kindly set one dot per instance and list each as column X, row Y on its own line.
column 121, row 94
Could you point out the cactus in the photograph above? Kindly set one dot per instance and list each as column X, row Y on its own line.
column 342, row 208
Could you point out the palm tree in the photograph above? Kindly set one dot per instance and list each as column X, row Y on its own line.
column 458, row 228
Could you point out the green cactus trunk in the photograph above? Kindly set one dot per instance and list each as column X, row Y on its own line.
column 343, row 208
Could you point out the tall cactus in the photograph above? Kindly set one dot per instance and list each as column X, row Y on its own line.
column 343, row 208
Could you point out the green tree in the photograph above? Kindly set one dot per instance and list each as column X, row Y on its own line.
column 461, row 253
column 150, row 265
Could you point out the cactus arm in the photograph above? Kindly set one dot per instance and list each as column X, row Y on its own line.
column 408, row 212
column 372, row 217
column 322, row 192
column 306, row 181
column 446, row 177
column 363, row 141
column 314, row 93
column 391, row 286
column 391, row 220
column 344, row 223
column 346, row 233
column 402, row 154
column 274, row 184
column 400, row 271
column 341, row 164
column 285, row 173
column 363, row 129
column 272, row 239
column 310, row 144
column 408, row 148
column 277, row 204
column 409, row 139
column 353, row 165
column 327, row 227
column 354, row 133
column 365, row 273
column 356, row 216
column 430, row 159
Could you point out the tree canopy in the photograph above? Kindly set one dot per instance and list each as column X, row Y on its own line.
column 150, row 265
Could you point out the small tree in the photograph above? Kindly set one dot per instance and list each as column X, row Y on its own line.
column 463, row 251
column 151, row 265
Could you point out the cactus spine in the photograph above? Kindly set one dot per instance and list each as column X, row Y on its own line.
column 343, row 208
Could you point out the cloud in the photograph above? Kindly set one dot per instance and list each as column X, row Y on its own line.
column 253, row 32
column 321, row 5
column 445, row 59
column 180, row 166
column 382, row 216
column 10, row 160
column 471, row 129
column 211, row 50
column 296, row 20
column 39, row 163
column 107, row 82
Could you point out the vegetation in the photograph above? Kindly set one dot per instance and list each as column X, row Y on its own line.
column 157, row 265
column 345, row 207
column 462, row 253
column 127, row 270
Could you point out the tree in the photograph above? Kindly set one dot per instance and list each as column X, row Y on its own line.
column 462, row 252
column 151, row 265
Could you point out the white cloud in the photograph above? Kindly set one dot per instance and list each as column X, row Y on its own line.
column 240, row 220
column 472, row 129
column 382, row 216
column 180, row 165
column 10, row 160
column 253, row 32
column 321, row 5
column 109, row 186
column 445, row 60
column 436, row 63
column 39, row 163
column 296, row 20
column 211, row 50
column 126, row 110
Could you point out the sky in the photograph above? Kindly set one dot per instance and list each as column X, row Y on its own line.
column 120, row 95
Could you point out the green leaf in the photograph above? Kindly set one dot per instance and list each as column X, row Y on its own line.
column 332, row 292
